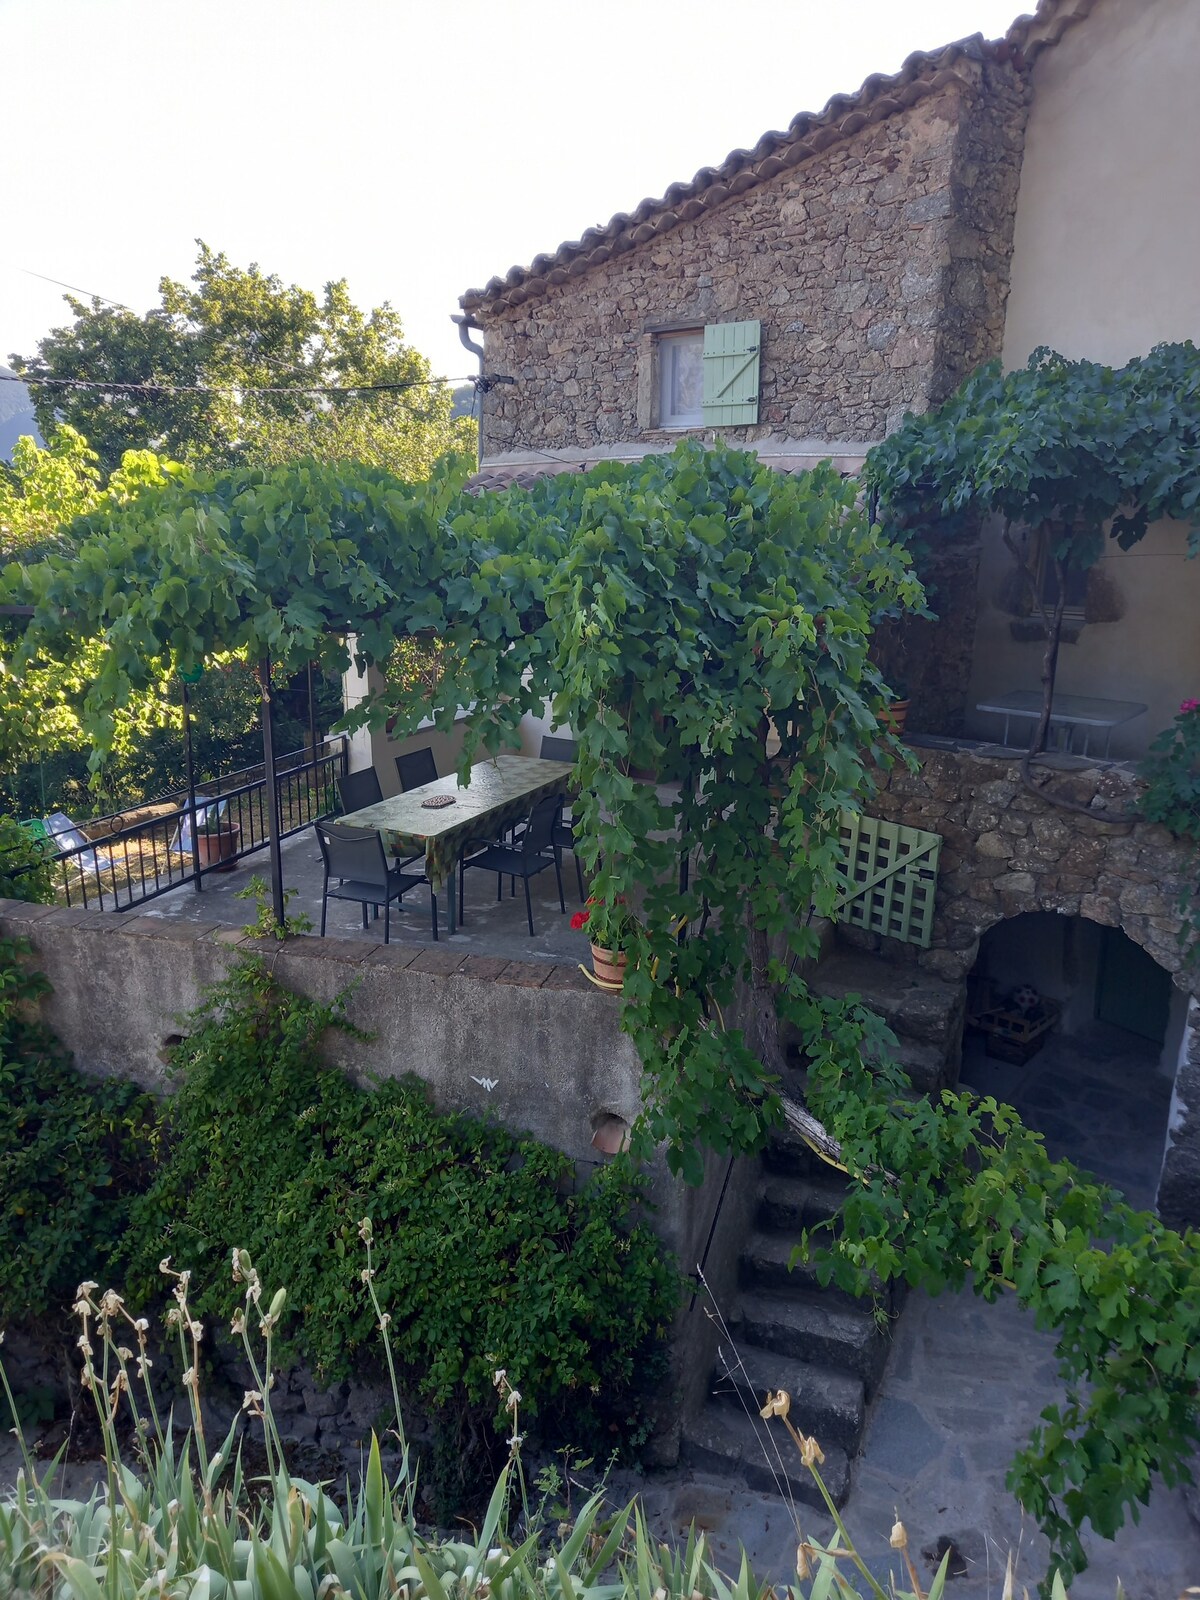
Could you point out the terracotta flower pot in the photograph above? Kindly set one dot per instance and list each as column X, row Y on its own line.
column 609, row 965
column 894, row 717
column 214, row 848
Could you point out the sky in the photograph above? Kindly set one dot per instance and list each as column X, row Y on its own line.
column 415, row 149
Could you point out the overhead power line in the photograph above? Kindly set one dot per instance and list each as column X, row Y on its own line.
column 74, row 288
column 232, row 388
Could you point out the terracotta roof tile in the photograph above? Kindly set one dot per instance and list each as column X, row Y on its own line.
column 1033, row 33
column 880, row 96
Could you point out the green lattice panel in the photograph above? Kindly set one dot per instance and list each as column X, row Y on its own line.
column 891, row 878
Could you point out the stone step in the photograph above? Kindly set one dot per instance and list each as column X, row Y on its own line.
column 807, row 1327
column 787, row 1156
column 723, row 1440
column 766, row 1261
column 913, row 1004
column 829, row 1405
column 797, row 1203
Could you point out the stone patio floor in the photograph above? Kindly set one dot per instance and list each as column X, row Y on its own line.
column 492, row 928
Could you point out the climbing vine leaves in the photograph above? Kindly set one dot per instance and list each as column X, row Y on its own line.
column 683, row 615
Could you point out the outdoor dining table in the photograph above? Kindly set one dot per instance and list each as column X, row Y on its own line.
column 497, row 793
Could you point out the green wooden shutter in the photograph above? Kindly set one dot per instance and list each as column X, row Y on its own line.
column 731, row 373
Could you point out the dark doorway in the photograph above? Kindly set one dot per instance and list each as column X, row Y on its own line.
column 1080, row 1030
column 1132, row 991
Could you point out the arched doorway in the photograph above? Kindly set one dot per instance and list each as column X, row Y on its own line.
column 1079, row 1029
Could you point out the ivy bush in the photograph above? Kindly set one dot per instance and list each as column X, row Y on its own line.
column 74, row 1152
column 490, row 1256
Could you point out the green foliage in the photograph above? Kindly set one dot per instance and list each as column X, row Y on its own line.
column 960, row 1191
column 489, row 1257
column 186, row 1516
column 1069, row 452
column 238, row 329
column 702, row 584
column 1172, row 774
column 1057, row 442
column 25, row 864
column 75, row 1150
column 1172, row 796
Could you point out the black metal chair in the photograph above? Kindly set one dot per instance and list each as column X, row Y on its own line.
column 359, row 789
column 416, row 768
column 532, row 852
column 555, row 749
column 358, row 860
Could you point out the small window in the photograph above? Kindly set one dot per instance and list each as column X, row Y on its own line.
column 1077, row 586
column 681, row 379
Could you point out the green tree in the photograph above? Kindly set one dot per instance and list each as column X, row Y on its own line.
column 1066, row 454
column 236, row 330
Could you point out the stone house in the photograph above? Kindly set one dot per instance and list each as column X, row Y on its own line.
column 797, row 299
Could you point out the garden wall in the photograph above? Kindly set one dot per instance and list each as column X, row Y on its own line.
column 535, row 1046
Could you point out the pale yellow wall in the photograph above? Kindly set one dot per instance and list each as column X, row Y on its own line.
column 1151, row 654
column 1106, row 257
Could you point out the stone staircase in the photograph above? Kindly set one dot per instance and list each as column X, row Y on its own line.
column 925, row 1013
column 826, row 1347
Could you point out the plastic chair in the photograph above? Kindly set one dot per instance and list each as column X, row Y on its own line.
column 528, row 855
column 556, row 749
column 359, row 789
column 358, row 860
column 416, row 768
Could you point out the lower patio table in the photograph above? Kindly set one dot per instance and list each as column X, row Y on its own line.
column 497, row 793
column 1069, row 711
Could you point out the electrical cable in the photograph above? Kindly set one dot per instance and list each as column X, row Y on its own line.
column 228, row 388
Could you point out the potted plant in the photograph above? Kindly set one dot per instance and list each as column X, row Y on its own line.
column 217, row 839
column 609, row 926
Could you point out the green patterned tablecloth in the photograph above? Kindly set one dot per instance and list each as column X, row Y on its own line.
column 499, row 792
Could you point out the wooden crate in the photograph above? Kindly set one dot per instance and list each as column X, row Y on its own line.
column 1015, row 1035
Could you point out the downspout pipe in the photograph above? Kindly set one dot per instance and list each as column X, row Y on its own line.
column 464, row 323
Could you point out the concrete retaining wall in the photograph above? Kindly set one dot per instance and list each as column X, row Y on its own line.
column 547, row 1041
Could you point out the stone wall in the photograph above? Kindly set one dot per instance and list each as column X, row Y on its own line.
column 878, row 269
column 1006, row 852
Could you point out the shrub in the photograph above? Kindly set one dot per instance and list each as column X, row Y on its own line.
column 490, row 1255
column 74, row 1152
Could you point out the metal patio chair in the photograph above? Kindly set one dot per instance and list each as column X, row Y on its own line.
column 556, row 749
column 359, row 862
column 416, row 768
column 530, row 853
column 359, row 789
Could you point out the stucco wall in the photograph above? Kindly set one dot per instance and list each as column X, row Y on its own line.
column 877, row 268
column 1149, row 653
column 1108, row 231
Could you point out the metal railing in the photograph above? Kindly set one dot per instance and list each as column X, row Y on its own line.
column 134, row 864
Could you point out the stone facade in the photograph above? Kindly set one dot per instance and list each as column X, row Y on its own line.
column 1006, row 852
column 877, row 267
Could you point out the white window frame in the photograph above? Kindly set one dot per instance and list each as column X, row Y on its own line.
column 666, row 346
